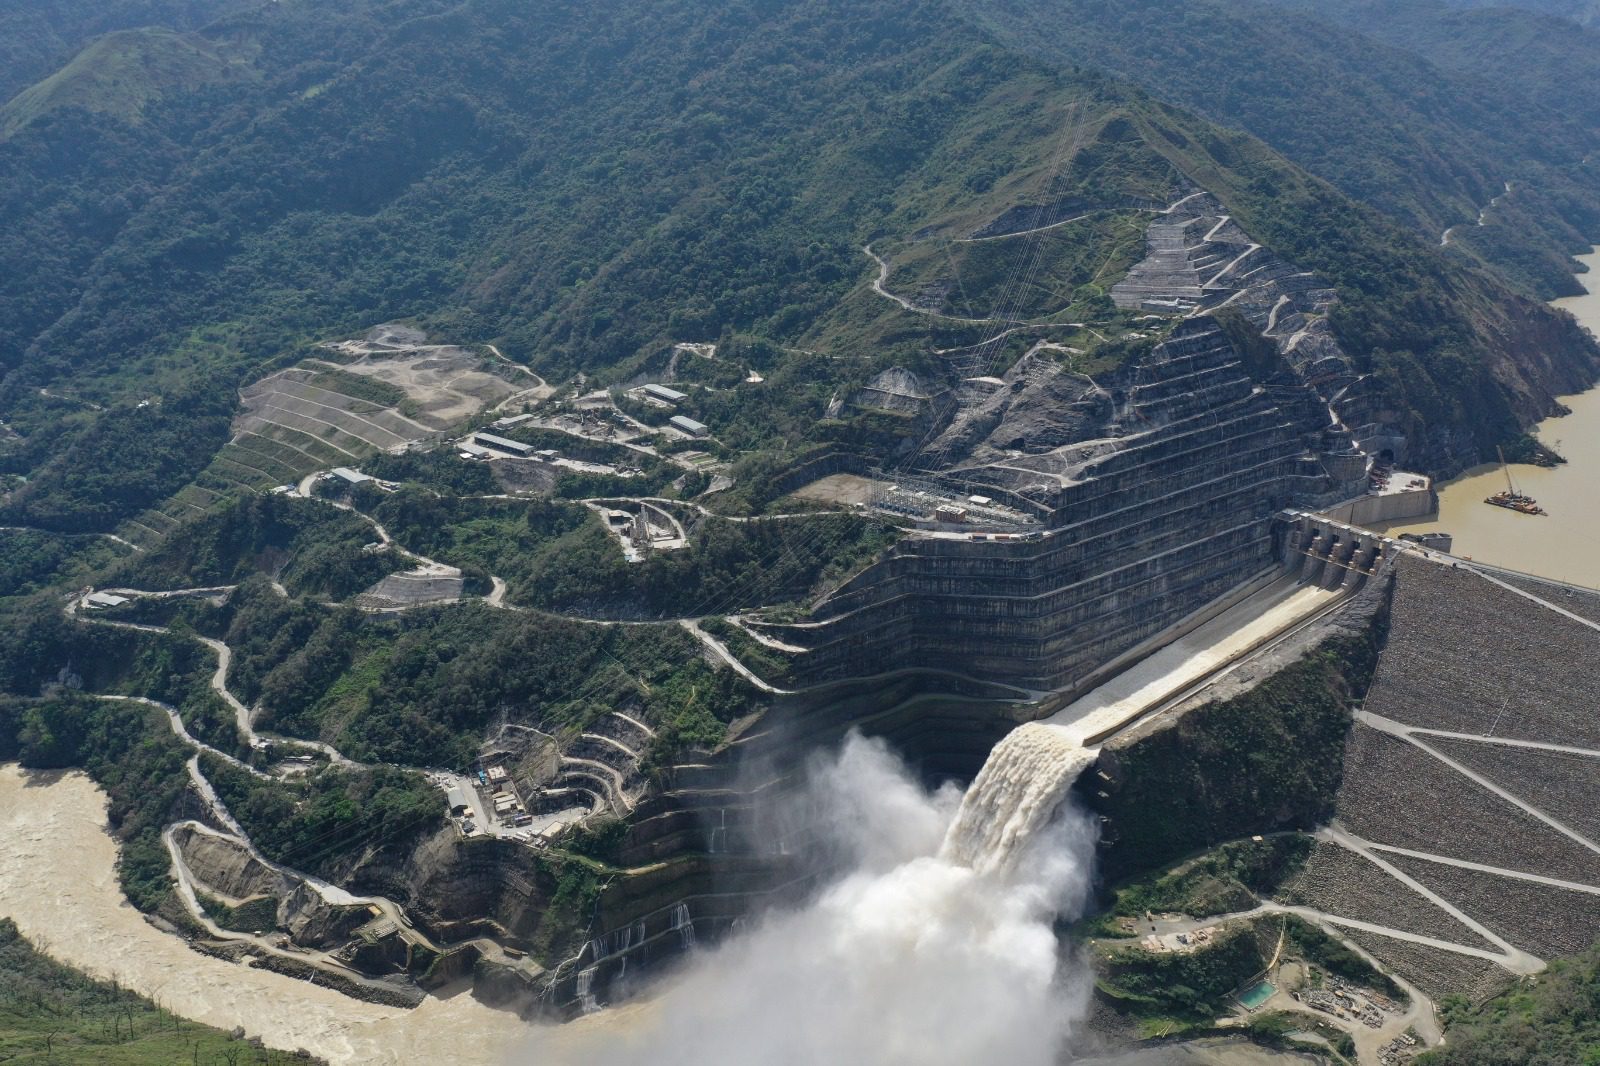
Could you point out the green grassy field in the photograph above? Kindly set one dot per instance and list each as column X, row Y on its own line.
column 51, row 1014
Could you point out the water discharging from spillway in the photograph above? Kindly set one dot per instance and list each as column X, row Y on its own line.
column 1021, row 785
column 934, row 945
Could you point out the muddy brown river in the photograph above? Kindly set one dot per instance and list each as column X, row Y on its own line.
column 1565, row 544
column 58, row 883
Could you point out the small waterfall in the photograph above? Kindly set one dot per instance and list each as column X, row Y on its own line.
column 1020, row 786
column 617, row 941
column 586, row 1000
column 719, row 834
column 683, row 922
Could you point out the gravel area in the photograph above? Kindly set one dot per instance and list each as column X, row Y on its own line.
column 1540, row 919
column 1437, row 973
column 1395, row 793
column 1469, row 656
column 1563, row 785
column 1343, row 883
column 1582, row 602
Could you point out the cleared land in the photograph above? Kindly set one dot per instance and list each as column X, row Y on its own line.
column 394, row 391
column 843, row 489
column 1542, row 919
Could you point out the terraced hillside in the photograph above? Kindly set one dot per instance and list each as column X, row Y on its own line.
column 383, row 392
column 1150, row 493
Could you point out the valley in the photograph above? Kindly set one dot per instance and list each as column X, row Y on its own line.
column 800, row 532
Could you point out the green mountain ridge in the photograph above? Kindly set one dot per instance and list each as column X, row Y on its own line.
column 1428, row 134
column 120, row 73
column 584, row 185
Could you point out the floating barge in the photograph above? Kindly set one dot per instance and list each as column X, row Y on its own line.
column 1511, row 499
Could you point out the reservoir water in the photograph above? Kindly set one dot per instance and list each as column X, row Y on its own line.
column 1565, row 544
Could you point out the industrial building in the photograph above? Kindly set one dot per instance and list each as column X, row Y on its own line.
column 514, row 447
column 690, row 426
column 664, row 394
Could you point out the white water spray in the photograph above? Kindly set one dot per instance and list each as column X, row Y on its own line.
column 935, row 948
column 1020, row 786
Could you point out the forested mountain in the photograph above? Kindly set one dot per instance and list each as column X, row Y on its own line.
column 1425, row 130
column 581, row 182
column 42, row 36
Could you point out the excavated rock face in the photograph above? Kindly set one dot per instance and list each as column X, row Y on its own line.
column 224, row 866
column 1037, row 406
column 895, row 389
column 314, row 922
column 1165, row 506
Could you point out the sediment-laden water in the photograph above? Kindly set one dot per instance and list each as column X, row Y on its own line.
column 1014, row 796
column 58, row 883
column 1565, row 544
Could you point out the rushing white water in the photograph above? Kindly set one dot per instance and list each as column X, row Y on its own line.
column 913, row 955
column 935, row 947
column 1018, row 790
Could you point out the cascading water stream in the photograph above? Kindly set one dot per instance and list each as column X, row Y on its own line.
column 934, row 944
column 683, row 924
column 1021, row 784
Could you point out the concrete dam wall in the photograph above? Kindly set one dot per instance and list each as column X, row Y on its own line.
column 1168, row 511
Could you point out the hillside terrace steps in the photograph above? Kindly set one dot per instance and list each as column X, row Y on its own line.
column 1143, row 528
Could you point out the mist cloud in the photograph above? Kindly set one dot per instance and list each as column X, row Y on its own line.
column 905, row 958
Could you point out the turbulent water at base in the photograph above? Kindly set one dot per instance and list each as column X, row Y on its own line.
column 1018, row 790
column 933, row 947
column 934, row 944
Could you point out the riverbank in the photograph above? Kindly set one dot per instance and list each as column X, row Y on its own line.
column 58, row 883
column 1561, row 545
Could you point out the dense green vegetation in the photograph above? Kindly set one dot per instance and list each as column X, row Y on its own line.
column 44, row 653
column 320, row 823
column 1315, row 945
column 1549, row 1020
column 584, row 215
column 1193, row 985
column 117, row 463
column 420, row 689
column 250, row 916
column 558, row 555
column 1425, row 115
column 33, row 559
column 1169, row 992
column 311, row 547
column 439, row 470
column 49, row 1013
column 1227, row 879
